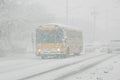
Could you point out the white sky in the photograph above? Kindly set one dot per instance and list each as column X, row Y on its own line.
column 81, row 15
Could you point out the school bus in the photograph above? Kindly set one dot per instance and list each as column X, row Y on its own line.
column 58, row 41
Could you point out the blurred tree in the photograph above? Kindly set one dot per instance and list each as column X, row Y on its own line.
column 17, row 21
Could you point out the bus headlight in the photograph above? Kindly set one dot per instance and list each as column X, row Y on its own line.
column 58, row 49
column 39, row 50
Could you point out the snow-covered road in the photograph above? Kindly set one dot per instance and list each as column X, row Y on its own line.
column 107, row 70
column 50, row 69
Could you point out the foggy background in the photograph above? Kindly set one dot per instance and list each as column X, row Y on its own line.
column 98, row 19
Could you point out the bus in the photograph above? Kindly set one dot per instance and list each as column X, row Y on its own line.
column 58, row 41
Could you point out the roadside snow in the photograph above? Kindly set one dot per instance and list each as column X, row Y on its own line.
column 20, row 67
column 108, row 70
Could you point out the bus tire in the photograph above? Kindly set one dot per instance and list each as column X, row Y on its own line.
column 77, row 54
column 68, row 51
column 43, row 57
column 37, row 54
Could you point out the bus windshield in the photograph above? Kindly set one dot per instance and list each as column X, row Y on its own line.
column 49, row 36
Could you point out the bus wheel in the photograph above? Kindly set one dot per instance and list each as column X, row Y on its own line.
column 43, row 57
column 77, row 54
column 37, row 54
column 63, row 56
column 68, row 51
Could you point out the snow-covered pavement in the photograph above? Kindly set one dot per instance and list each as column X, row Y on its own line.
column 107, row 70
column 50, row 69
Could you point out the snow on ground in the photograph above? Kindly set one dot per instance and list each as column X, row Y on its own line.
column 60, row 74
column 16, row 67
column 19, row 67
column 108, row 70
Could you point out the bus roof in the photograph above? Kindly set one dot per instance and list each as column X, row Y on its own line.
column 53, row 26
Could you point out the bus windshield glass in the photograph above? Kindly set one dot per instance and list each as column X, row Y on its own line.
column 49, row 36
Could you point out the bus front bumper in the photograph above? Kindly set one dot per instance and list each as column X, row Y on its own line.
column 53, row 55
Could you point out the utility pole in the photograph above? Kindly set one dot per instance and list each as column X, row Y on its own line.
column 94, row 14
column 107, row 23
column 33, row 42
column 67, row 12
